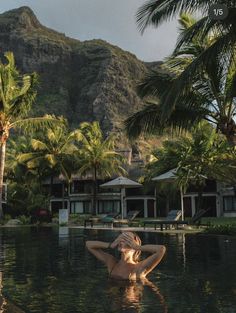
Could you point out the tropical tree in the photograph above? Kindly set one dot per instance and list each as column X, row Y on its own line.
column 211, row 95
column 17, row 94
column 97, row 156
column 54, row 152
column 155, row 12
column 196, row 157
column 24, row 185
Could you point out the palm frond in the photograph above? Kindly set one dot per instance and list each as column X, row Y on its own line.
column 39, row 145
column 155, row 83
column 154, row 12
column 184, row 81
column 36, row 123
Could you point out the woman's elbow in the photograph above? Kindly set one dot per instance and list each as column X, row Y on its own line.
column 162, row 250
column 88, row 244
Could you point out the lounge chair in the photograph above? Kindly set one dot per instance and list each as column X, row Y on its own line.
column 173, row 215
column 126, row 221
column 107, row 219
column 176, row 222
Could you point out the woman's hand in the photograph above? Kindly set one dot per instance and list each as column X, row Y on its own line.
column 115, row 243
column 129, row 239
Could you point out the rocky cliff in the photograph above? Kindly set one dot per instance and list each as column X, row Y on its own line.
column 84, row 81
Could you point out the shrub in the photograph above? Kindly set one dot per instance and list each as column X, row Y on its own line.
column 25, row 220
column 228, row 229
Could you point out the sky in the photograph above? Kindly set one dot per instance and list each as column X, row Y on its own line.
column 110, row 20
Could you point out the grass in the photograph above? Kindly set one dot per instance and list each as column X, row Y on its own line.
column 211, row 225
column 219, row 220
column 220, row 225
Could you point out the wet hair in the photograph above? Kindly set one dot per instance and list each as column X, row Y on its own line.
column 137, row 253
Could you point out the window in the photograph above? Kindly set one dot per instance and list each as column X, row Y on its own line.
column 80, row 207
column 107, row 206
column 229, row 203
column 77, row 186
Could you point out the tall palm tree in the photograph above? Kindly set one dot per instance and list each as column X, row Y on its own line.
column 155, row 12
column 210, row 96
column 97, row 156
column 24, row 184
column 197, row 156
column 17, row 94
column 54, row 152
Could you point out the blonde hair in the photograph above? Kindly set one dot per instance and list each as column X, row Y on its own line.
column 137, row 253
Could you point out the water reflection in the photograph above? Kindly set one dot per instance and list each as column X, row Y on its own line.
column 197, row 275
column 5, row 305
column 127, row 296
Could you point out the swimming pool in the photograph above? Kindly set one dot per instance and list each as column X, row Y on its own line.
column 44, row 271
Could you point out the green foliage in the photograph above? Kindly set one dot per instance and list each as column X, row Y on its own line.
column 24, row 220
column 187, row 90
column 5, row 219
column 26, row 196
column 156, row 12
column 17, row 94
column 227, row 229
column 53, row 151
column 97, row 155
column 198, row 156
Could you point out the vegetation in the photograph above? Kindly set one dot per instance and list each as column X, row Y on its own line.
column 53, row 153
column 210, row 95
column 17, row 94
column 227, row 229
column 196, row 157
column 215, row 59
column 97, row 156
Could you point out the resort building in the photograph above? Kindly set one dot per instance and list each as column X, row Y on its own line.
column 218, row 198
column 78, row 198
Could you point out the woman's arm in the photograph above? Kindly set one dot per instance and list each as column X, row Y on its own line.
column 96, row 248
column 147, row 265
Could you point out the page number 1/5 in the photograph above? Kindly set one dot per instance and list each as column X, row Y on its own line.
column 218, row 12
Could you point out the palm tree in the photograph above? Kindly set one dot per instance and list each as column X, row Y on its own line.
column 197, row 156
column 97, row 156
column 210, row 96
column 155, row 12
column 54, row 151
column 17, row 93
column 24, row 185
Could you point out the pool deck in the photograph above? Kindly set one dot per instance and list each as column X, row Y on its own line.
column 184, row 230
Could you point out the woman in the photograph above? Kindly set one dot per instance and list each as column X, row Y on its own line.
column 128, row 267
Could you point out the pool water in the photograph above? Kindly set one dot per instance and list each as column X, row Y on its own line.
column 46, row 270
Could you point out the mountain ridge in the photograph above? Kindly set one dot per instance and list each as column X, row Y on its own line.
column 82, row 80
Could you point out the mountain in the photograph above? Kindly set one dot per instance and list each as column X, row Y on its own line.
column 84, row 81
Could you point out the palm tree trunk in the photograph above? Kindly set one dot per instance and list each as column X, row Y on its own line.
column 63, row 195
column 2, row 165
column 200, row 197
column 94, row 202
column 229, row 130
column 167, row 209
column 51, row 185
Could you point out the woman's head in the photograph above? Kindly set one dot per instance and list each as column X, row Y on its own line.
column 125, row 247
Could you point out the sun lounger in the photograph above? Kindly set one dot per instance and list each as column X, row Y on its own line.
column 126, row 221
column 107, row 219
column 176, row 222
column 171, row 218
